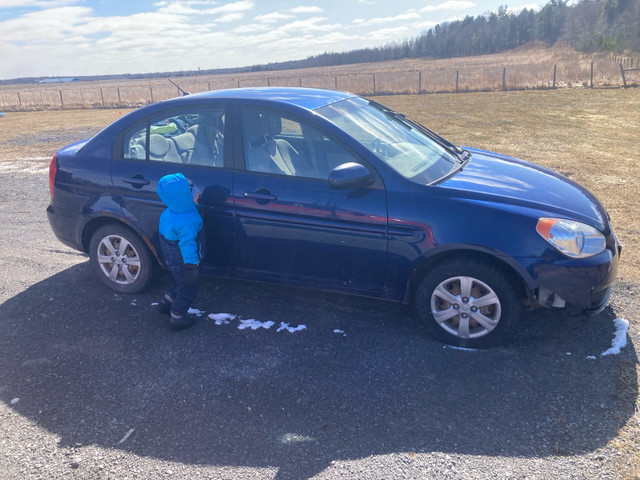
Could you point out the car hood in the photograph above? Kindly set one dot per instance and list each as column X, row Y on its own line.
column 497, row 178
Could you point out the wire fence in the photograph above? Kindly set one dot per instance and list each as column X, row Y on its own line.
column 603, row 71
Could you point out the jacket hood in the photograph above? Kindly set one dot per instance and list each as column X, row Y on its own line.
column 495, row 177
column 175, row 191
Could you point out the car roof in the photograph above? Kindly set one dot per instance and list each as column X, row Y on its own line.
column 307, row 98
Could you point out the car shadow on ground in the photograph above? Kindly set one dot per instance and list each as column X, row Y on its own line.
column 91, row 367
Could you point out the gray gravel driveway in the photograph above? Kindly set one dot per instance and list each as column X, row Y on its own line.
column 94, row 385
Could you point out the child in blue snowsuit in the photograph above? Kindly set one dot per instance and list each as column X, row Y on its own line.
column 179, row 227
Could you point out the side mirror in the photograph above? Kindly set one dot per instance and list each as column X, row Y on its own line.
column 350, row 175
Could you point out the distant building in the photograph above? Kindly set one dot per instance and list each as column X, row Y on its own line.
column 59, row 80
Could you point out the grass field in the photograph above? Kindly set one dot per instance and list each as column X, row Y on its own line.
column 589, row 135
column 528, row 67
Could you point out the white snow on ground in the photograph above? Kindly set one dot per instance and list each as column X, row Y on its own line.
column 254, row 324
column 285, row 326
column 464, row 349
column 619, row 337
column 195, row 311
column 26, row 165
column 222, row 318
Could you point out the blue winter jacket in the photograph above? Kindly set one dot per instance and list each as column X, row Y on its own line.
column 181, row 221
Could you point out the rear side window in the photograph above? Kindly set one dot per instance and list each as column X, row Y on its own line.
column 194, row 137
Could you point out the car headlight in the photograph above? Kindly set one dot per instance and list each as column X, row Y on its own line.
column 574, row 239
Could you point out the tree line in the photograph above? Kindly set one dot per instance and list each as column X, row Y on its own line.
column 589, row 25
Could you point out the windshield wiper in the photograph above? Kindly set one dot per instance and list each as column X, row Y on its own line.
column 462, row 155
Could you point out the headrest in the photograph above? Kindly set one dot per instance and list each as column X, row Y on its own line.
column 158, row 145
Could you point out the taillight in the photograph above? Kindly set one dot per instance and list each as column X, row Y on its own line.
column 52, row 174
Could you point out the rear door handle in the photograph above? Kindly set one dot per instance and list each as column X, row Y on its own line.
column 136, row 181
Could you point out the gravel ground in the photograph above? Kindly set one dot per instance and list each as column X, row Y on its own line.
column 94, row 385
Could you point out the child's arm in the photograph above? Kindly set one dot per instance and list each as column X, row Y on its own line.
column 187, row 242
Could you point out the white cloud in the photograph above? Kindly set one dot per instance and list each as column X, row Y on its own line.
column 272, row 17
column 528, row 6
column 449, row 5
column 382, row 20
column 303, row 9
column 36, row 3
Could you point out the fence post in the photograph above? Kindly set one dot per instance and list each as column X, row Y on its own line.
column 374, row 83
column 151, row 92
column 300, row 81
column 457, row 81
column 554, row 75
column 504, row 78
column 119, row 100
column 624, row 80
column 335, row 81
column 61, row 101
column 268, row 82
column 101, row 98
column 20, row 100
column 591, row 78
column 419, row 82
column 238, row 83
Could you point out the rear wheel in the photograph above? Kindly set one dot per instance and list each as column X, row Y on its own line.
column 468, row 304
column 121, row 259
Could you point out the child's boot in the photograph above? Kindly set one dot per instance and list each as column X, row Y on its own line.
column 164, row 305
column 180, row 322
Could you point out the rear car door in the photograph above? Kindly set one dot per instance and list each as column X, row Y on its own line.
column 291, row 225
column 192, row 141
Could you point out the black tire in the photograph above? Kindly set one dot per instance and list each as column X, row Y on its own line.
column 121, row 259
column 486, row 316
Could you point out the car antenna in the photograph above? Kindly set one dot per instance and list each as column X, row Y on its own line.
column 184, row 92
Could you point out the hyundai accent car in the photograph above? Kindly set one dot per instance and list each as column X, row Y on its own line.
column 333, row 191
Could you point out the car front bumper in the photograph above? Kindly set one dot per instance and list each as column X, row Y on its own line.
column 585, row 283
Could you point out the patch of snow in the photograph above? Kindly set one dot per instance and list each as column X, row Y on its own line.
column 254, row 324
column 619, row 337
column 338, row 331
column 464, row 349
column 568, row 353
column 14, row 401
column 285, row 326
column 222, row 318
column 155, row 304
column 591, row 357
column 195, row 311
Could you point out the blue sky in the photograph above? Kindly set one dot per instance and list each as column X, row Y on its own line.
column 91, row 37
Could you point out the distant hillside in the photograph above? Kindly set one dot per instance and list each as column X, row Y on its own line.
column 588, row 26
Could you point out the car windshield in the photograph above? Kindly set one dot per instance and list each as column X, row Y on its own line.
column 399, row 143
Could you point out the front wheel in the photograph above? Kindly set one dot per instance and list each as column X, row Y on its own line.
column 121, row 259
column 468, row 304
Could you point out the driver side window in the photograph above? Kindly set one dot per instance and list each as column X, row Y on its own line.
column 280, row 145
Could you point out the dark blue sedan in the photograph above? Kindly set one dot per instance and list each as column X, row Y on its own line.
column 330, row 190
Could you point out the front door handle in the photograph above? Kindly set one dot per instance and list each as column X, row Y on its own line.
column 136, row 181
column 261, row 196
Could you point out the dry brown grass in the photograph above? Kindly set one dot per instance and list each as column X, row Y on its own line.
column 528, row 67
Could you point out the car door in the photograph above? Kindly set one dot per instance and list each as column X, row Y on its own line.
column 291, row 225
column 190, row 141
